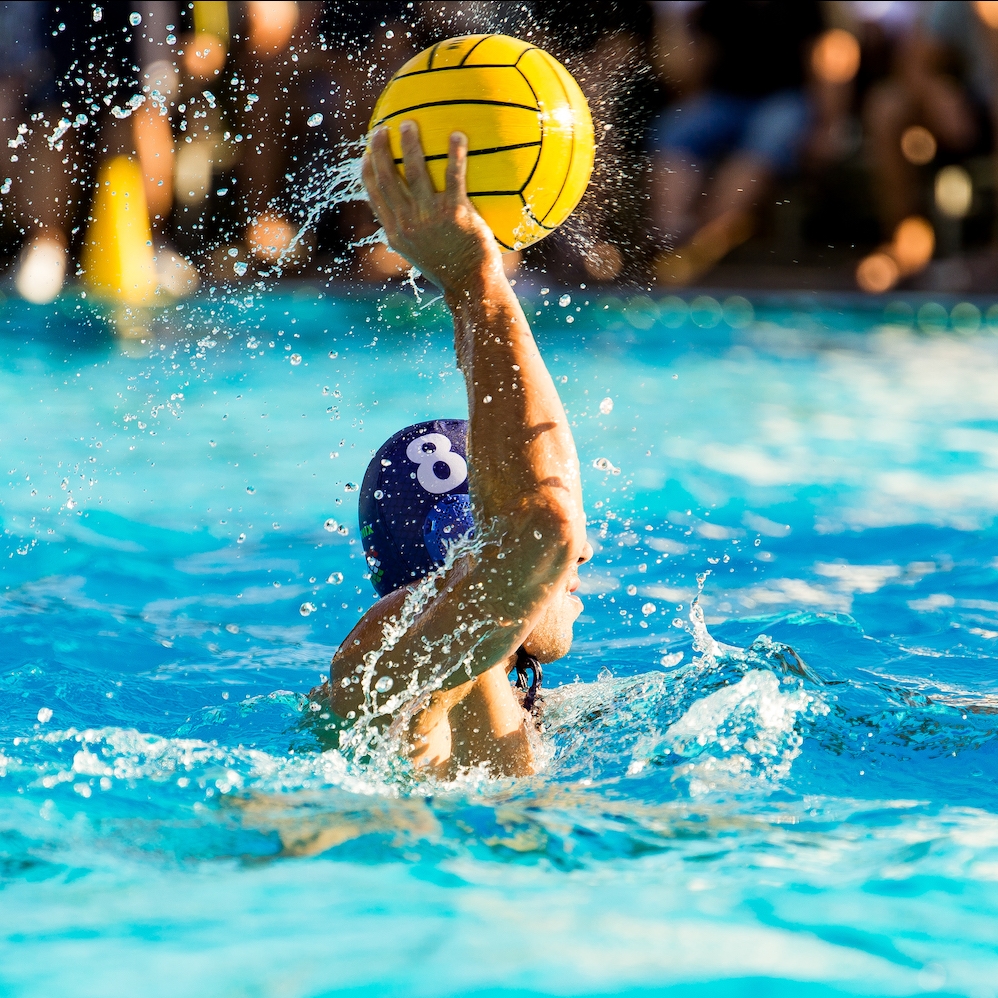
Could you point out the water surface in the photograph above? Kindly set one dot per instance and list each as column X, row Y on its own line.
column 787, row 787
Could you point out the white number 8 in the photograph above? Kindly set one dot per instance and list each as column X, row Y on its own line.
column 425, row 452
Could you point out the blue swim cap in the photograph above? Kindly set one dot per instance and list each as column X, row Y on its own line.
column 414, row 502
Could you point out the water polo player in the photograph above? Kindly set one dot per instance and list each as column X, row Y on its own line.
column 435, row 657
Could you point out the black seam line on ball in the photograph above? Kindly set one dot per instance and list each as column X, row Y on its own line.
column 540, row 121
column 484, row 38
column 533, row 48
column 474, row 152
column 433, row 54
column 448, row 69
column 449, row 103
column 571, row 157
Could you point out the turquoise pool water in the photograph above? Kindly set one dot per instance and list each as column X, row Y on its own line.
column 788, row 788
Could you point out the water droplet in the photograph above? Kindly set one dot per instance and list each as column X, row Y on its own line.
column 487, row 399
column 250, row 489
column 295, row 359
column 632, row 590
column 384, row 684
column 606, row 406
column 389, row 33
column 648, row 609
column 378, row 494
column 570, row 319
column 385, row 463
column 342, row 530
column 232, row 251
column 330, row 525
column 314, row 120
column 545, row 291
column 240, row 538
column 564, row 301
column 135, row 19
column 333, row 354
column 211, row 443
column 306, row 608
column 171, row 39
column 335, row 578
column 98, row 13
column 45, row 715
column 240, row 267
column 351, row 487
column 232, row 628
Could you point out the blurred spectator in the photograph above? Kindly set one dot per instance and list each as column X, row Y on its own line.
column 365, row 44
column 277, row 34
column 937, row 104
column 76, row 91
column 746, row 113
column 36, row 193
column 938, row 95
column 240, row 114
column 608, row 51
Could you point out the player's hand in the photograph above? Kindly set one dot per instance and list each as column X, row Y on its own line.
column 440, row 234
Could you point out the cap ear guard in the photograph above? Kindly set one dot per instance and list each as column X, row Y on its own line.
column 448, row 521
column 414, row 502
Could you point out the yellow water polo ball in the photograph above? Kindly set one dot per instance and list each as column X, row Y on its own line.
column 530, row 134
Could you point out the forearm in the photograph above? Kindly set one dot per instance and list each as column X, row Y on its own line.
column 519, row 440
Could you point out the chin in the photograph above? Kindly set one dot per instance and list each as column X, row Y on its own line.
column 548, row 652
column 551, row 639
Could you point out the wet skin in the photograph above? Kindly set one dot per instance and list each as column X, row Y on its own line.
column 518, row 586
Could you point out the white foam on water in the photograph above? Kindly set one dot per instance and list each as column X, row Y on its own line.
column 735, row 737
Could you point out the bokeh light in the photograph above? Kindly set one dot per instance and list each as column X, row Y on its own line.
column 954, row 191
column 987, row 11
column 918, row 145
column 738, row 312
column 271, row 25
column 965, row 318
column 914, row 244
column 877, row 273
column 674, row 311
column 706, row 312
column 835, row 57
column 204, row 56
column 932, row 318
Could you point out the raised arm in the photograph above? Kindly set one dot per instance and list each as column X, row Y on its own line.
column 524, row 473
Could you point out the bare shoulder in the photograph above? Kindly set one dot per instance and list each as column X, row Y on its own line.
column 367, row 635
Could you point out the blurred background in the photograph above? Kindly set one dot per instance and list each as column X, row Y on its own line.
column 756, row 145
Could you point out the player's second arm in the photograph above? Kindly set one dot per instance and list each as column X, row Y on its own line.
column 479, row 616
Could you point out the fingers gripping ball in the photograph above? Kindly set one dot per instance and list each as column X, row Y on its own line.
column 530, row 134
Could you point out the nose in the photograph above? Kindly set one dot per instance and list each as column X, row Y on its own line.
column 587, row 553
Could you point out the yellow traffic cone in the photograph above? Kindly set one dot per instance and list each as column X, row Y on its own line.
column 118, row 254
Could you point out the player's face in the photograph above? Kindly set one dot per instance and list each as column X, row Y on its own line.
column 552, row 637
